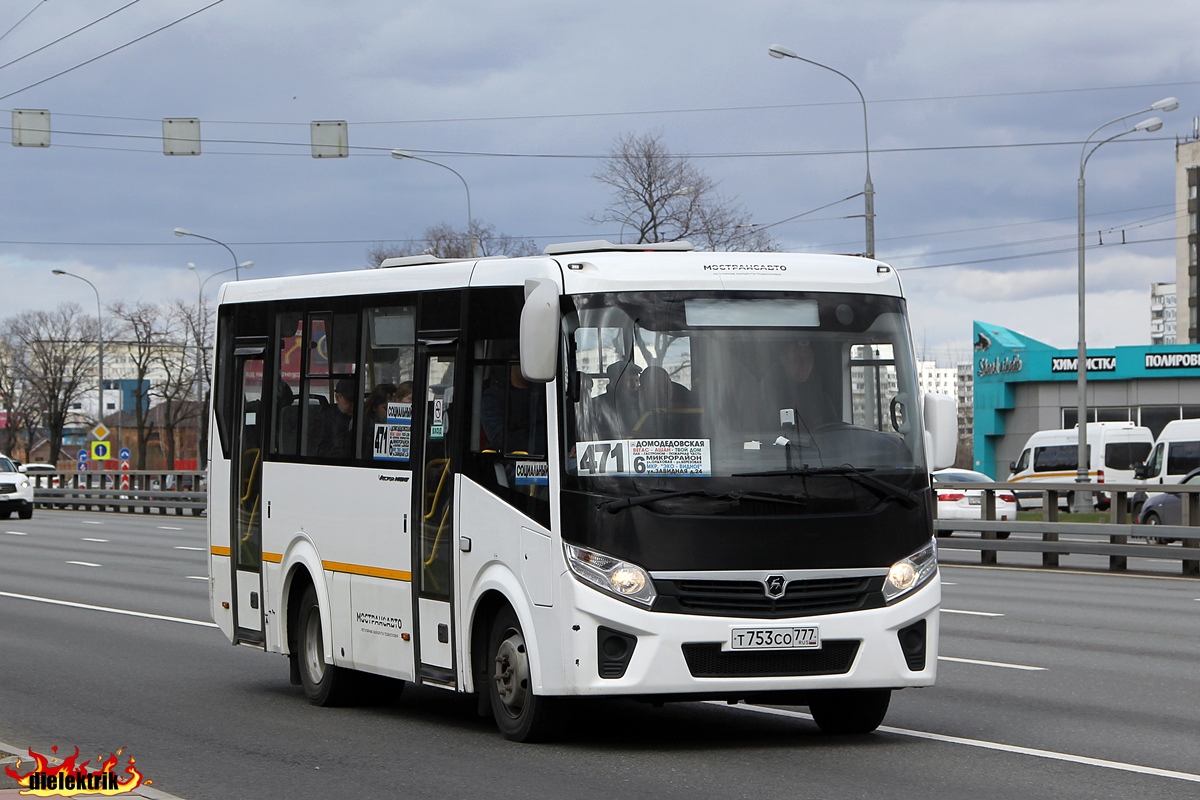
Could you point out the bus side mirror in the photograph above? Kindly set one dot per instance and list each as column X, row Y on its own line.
column 941, row 430
column 539, row 331
column 1140, row 472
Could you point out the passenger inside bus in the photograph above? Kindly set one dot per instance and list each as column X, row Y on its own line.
column 669, row 409
column 513, row 415
column 616, row 410
column 339, row 421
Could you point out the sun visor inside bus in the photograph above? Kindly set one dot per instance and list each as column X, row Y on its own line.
column 539, row 331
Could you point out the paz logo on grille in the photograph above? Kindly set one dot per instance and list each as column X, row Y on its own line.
column 775, row 585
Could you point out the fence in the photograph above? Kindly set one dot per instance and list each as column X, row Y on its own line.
column 183, row 492
column 132, row 491
column 1056, row 538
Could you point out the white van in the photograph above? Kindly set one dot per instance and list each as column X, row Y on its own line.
column 1115, row 450
column 1176, row 453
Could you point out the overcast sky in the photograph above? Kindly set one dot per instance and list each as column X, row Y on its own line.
column 977, row 113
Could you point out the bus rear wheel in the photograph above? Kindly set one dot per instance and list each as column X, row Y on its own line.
column 324, row 684
column 521, row 714
column 849, row 711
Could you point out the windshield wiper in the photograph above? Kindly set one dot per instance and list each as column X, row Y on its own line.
column 861, row 476
column 620, row 504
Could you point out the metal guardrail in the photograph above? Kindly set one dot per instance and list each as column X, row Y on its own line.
column 1054, row 541
column 129, row 491
column 148, row 492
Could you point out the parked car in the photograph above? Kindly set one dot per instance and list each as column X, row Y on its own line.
column 16, row 491
column 955, row 503
column 1166, row 508
column 40, row 469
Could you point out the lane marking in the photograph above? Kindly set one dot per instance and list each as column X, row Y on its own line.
column 197, row 549
column 197, row 577
column 1004, row 748
column 121, row 611
column 16, row 533
column 90, row 539
column 971, row 613
column 90, row 522
column 168, row 528
column 83, row 563
column 1001, row 664
column 949, row 583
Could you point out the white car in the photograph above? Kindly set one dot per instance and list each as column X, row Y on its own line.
column 16, row 491
column 958, row 503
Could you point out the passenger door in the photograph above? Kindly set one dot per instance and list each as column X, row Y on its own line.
column 245, row 522
column 435, row 542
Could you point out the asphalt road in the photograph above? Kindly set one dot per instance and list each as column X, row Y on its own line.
column 1051, row 685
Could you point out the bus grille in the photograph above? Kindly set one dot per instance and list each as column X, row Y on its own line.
column 749, row 598
column 707, row 660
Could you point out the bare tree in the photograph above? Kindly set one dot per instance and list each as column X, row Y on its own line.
column 196, row 324
column 141, row 333
column 59, row 362
column 446, row 241
column 10, row 393
column 661, row 197
column 178, row 365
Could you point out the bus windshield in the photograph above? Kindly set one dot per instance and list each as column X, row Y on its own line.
column 668, row 389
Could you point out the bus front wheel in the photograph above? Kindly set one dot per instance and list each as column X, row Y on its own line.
column 324, row 684
column 850, row 711
column 520, row 713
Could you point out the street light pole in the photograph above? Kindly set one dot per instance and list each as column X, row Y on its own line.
column 402, row 154
column 99, row 337
column 1082, row 471
column 236, row 268
column 778, row 51
column 201, row 390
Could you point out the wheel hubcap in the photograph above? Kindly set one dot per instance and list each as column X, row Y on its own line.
column 511, row 673
column 314, row 650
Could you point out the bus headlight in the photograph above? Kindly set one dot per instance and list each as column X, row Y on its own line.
column 618, row 578
column 911, row 573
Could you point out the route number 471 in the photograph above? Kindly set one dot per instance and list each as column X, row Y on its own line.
column 608, row 458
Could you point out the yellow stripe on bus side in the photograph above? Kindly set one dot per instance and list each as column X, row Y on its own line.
column 219, row 551
column 373, row 572
column 274, row 558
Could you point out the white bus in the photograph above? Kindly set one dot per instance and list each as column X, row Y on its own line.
column 606, row 471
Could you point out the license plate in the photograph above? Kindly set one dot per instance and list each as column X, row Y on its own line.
column 803, row 637
column 974, row 501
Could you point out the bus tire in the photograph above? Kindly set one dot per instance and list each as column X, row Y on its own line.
column 849, row 711
column 521, row 714
column 324, row 684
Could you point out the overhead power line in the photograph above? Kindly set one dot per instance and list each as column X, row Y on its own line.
column 69, row 35
column 114, row 50
column 36, row 6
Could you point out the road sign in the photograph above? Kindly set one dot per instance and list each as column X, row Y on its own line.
column 100, row 431
column 101, row 451
column 82, row 456
column 83, row 466
column 125, row 454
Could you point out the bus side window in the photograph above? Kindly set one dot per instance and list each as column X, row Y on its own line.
column 508, row 440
